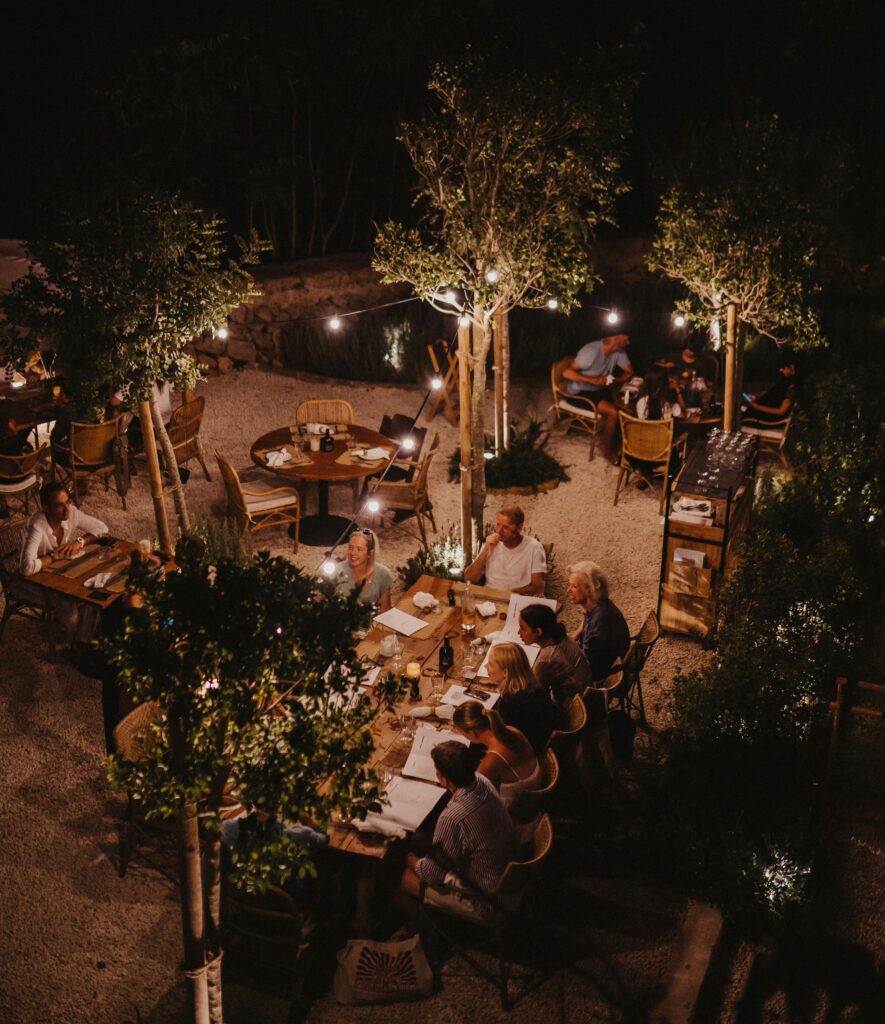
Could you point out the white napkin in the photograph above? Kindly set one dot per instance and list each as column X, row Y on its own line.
column 278, row 458
column 424, row 601
column 486, row 609
column 375, row 823
column 316, row 428
column 371, row 454
column 98, row 580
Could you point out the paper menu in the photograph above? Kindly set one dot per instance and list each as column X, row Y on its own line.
column 401, row 621
column 410, row 803
column 510, row 632
column 419, row 764
column 457, row 694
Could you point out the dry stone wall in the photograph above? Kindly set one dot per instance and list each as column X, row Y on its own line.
column 263, row 331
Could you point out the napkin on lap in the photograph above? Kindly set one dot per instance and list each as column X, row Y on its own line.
column 98, row 581
column 486, row 608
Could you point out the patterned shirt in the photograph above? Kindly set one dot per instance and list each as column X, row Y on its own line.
column 473, row 839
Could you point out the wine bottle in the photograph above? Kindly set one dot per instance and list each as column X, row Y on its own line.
column 446, row 656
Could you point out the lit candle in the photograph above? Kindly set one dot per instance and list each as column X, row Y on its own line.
column 413, row 674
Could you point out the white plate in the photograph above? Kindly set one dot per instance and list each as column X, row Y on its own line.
column 444, row 712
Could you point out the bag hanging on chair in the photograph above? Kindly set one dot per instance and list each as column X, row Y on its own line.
column 382, row 972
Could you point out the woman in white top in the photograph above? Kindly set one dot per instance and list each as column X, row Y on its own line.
column 662, row 397
column 509, row 762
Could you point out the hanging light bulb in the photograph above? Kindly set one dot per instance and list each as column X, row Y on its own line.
column 408, row 444
column 463, row 321
column 492, row 275
column 553, row 303
column 222, row 332
column 488, row 455
column 450, row 297
column 612, row 317
column 436, row 383
column 328, row 566
column 335, row 323
column 679, row 320
column 373, row 505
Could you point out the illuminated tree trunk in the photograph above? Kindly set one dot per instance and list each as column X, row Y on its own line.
column 729, row 419
column 213, row 938
column 481, row 342
column 465, row 358
column 155, row 477
column 184, row 522
column 502, row 381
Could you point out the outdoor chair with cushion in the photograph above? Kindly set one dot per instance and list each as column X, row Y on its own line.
column 647, row 448
column 184, row 433
column 20, row 479
column 20, row 597
column 772, row 435
column 573, row 410
column 409, row 497
column 93, row 450
column 502, row 931
column 331, row 411
column 259, row 508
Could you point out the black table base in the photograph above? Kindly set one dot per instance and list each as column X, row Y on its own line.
column 321, row 531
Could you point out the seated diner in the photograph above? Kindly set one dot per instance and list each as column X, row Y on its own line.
column 661, row 397
column 361, row 568
column 59, row 530
column 603, row 635
column 509, row 560
column 776, row 402
column 524, row 703
column 560, row 667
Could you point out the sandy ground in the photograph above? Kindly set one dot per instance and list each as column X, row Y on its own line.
column 79, row 944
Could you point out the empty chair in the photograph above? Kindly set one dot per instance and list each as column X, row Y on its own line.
column 771, row 434
column 184, row 433
column 93, row 450
column 573, row 410
column 324, row 410
column 646, row 448
column 634, row 662
column 19, row 597
column 409, row 496
column 400, row 428
column 20, row 479
column 260, row 508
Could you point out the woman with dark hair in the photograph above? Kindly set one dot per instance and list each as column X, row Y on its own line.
column 662, row 397
column 561, row 666
column 524, row 703
column 777, row 401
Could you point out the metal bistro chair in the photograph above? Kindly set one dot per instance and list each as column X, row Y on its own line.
column 630, row 693
column 646, row 448
column 565, row 739
column 410, row 496
column 184, row 433
column 20, row 478
column 93, row 449
column 18, row 597
column 573, row 410
column 259, row 509
column 771, row 434
column 332, row 411
column 513, row 885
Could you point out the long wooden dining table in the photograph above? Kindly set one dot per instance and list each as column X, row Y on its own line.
column 68, row 576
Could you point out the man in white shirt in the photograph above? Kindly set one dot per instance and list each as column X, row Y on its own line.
column 59, row 531
column 509, row 560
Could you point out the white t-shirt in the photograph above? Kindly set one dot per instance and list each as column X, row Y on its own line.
column 510, row 568
column 668, row 411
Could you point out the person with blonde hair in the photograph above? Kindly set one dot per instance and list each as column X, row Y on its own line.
column 509, row 560
column 524, row 703
column 361, row 568
column 603, row 635
column 509, row 762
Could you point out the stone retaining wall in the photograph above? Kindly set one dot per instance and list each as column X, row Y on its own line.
column 261, row 332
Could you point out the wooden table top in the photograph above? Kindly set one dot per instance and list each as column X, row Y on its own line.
column 423, row 647
column 31, row 404
column 323, row 465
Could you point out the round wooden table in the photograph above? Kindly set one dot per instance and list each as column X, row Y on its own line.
column 323, row 529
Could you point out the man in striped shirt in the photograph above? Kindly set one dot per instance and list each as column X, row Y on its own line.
column 472, row 842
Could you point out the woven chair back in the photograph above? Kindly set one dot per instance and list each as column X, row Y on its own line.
column 648, row 440
column 131, row 735
column 518, row 872
column 14, row 467
column 92, row 444
column 184, row 429
column 12, row 535
column 324, row 410
column 420, row 481
column 556, row 376
column 232, row 485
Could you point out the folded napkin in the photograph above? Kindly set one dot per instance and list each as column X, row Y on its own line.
column 98, row 580
column 278, row 458
column 486, row 608
column 375, row 823
column 424, row 601
column 371, row 454
column 316, row 428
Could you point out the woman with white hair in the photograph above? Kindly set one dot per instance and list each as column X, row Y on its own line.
column 362, row 568
column 603, row 635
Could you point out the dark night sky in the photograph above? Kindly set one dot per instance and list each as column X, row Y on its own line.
column 815, row 62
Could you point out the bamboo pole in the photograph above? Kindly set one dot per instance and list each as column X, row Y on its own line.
column 156, row 480
column 175, row 485
column 498, row 367
column 728, row 418
column 464, row 414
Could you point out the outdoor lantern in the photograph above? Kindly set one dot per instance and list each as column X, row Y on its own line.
column 679, row 320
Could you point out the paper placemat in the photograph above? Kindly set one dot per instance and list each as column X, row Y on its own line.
column 297, row 457
column 78, row 570
column 113, row 565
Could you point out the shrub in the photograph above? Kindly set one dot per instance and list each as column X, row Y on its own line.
column 444, row 557
column 526, row 463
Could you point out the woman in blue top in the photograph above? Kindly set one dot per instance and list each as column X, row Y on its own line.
column 360, row 566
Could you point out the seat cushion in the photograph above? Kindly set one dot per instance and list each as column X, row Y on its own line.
column 575, row 410
column 258, row 504
column 18, row 485
column 767, row 434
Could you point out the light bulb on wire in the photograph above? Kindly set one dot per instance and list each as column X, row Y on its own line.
column 612, row 317
column 335, row 323
column 408, row 444
column 373, row 505
column 222, row 332
column 328, row 566
column 679, row 320
column 553, row 303
column 463, row 321
column 450, row 297
column 491, row 275
column 436, row 383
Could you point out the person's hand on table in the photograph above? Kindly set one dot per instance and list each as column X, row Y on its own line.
column 70, row 549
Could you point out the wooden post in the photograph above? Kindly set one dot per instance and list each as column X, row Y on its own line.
column 156, row 480
column 498, row 359
column 464, row 360
column 729, row 419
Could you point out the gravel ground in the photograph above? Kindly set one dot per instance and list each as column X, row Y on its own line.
column 79, row 944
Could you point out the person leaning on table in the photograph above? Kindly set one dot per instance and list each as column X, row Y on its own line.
column 509, row 560
column 59, row 530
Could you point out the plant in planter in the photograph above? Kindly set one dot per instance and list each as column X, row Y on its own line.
column 444, row 557
column 526, row 467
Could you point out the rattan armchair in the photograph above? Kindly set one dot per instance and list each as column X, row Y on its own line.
column 771, row 434
column 324, row 410
column 20, row 479
column 184, row 433
column 20, row 597
column 262, row 508
column 577, row 411
column 409, row 496
column 647, row 448
column 93, row 450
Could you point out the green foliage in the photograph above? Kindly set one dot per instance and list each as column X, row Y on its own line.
column 120, row 295
column 802, row 607
column 253, row 666
column 526, row 463
column 444, row 557
column 223, row 539
column 747, row 230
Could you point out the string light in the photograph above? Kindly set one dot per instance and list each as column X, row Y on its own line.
column 488, row 455
column 222, row 332
column 679, row 320
column 553, row 303
column 492, row 275
column 335, row 323
column 463, row 321
column 436, row 383
column 328, row 566
column 612, row 317
column 408, row 444
column 450, row 297
column 373, row 506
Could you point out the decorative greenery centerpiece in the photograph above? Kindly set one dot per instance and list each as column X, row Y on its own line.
column 526, row 466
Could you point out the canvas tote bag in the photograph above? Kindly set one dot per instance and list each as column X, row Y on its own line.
column 382, row 972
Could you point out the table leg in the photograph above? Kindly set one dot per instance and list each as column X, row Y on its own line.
column 322, row 530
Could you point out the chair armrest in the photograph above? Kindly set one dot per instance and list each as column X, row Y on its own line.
column 579, row 399
column 273, row 490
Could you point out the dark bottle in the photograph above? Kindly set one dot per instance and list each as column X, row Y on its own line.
column 451, row 596
column 446, row 656
column 327, row 443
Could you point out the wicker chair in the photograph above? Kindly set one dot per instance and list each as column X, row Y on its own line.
column 324, row 410
column 772, row 435
column 630, row 694
column 649, row 442
column 184, row 433
column 20, row 478
column 531, row 801
column 410, row 496
column 514, row 884
column 259, row 509
column 93, row 449
column 406, row 463
column 573, row 410
column 18, row 597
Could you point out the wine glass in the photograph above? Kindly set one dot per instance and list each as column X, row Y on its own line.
column 435, row 677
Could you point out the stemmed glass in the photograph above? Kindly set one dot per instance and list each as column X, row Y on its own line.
column 436, row 685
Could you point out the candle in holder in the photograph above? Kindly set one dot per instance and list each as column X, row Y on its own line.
column 413, row 674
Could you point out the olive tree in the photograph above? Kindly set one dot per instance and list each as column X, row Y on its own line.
column 515, row 171
column 254, row 676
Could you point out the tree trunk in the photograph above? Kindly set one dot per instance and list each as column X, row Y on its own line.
column 213, row 907
column 728, row 419
column 481, row 341
column 465, row 413
column 184, row 521
column 192, row 914
column 739, row 372
column 156, row 479
column 505, row 378
column 498, row 367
